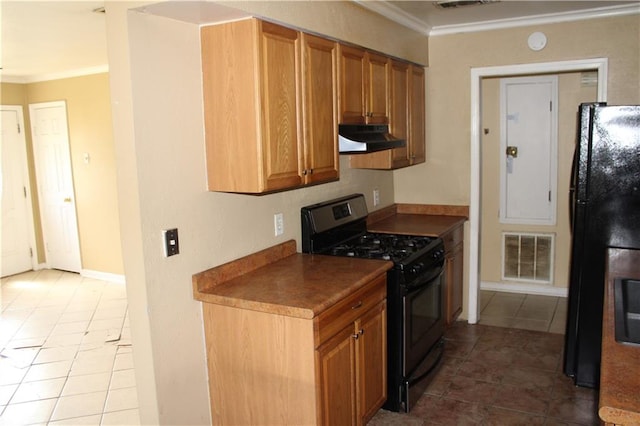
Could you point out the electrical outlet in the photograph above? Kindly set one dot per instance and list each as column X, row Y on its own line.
column 376, row 197
column 170, row 242
column 278, row 224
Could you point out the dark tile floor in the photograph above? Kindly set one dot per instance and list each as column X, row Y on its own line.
column 499, row 376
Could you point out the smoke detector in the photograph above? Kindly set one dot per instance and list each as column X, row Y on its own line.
column 450, row 4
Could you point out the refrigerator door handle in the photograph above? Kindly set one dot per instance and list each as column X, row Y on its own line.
column 572, row 188
column 572, row 192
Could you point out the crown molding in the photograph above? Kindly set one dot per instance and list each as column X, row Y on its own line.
column 394, row 13
column 603, row 12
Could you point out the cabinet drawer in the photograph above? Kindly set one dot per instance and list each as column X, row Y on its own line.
column 453, row 238
column 343, row 313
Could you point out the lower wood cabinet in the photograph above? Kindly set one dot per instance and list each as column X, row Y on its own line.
column 454, row 265
column 267, row 368
column 353, row 384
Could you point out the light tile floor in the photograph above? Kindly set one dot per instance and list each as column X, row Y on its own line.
column 65, row 351
column 523, row 311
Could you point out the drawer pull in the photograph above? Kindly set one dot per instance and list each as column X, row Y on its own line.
column 356, row 306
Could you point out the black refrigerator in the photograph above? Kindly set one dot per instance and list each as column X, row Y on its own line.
column 605, row 212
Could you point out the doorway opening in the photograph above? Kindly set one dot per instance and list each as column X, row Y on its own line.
column 599, row 65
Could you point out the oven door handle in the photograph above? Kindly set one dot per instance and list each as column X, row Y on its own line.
column 423, row 280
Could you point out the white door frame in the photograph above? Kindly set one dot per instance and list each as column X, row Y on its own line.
column 27, row 180
column 477, row 74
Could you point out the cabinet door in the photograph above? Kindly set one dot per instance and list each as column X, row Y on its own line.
column 336, row 365
column 320, row 107
column 352, row 85
column 280, row 94
column 454, row 271
column 417, row 115
column 377, row 84
column 399, row 111
column 372, row 361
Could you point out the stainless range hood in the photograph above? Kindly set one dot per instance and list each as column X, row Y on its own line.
column 365, row 138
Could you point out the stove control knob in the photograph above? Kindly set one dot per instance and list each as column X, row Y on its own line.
column 417, row 268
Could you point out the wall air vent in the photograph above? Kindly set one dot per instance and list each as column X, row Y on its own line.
column 528, row 257
column 450, row 4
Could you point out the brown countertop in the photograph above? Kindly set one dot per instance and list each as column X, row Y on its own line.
column 417, row 219
column 417, row 224
column 279, row 280
column 620, row 365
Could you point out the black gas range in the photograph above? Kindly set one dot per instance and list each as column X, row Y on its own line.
column 415, row 289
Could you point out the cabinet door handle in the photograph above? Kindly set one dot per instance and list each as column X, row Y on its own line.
column 304, row 172
column 361, row 332
column 356, row 306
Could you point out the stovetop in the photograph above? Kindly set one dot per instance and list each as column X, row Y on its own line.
column 382, row 246
column 338, row 227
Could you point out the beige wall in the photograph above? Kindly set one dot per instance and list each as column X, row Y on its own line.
column 448, row 91
column 90, row 131
column 570, row 94
column 444, row 177
column 157, row 110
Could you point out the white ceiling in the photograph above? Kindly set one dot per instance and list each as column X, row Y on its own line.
column 44, row 40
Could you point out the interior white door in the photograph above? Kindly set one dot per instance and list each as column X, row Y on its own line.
column 17, row 218
column 529, row 146
column 55, row 185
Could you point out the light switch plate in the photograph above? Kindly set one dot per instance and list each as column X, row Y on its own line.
column 278, row 224
column 170, row 242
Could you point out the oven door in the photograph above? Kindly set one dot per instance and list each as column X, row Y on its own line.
column 423, row 317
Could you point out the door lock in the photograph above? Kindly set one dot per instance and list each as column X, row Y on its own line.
column 512, row 151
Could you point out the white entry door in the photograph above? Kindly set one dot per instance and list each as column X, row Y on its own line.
column 55, row 185
column 17, row 219
column 529, row 149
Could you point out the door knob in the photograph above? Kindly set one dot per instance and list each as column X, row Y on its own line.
column 512, row 151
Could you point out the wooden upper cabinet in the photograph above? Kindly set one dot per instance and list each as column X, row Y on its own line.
column 417, row 116
column 363, row 86
column 256, row 138
column 406, row 120
column 320, row 108
column 280, row 98
column 377, row 83
column 352, row 85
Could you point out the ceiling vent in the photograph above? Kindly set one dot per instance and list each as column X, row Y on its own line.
column 450, row 4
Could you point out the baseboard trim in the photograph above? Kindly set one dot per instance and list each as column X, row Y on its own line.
column 104, row 276
column 542, row 290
